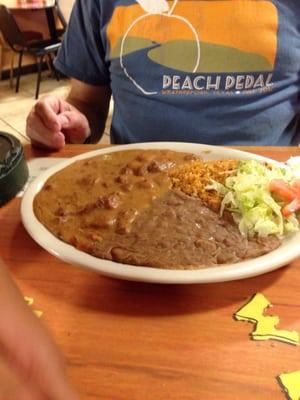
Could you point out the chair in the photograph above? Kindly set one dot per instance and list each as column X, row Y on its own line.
column 17, row 41
column 30, row 36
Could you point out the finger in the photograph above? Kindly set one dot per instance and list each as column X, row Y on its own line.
column 38, row 133
column 27, row 349
column 37, row 364
column 48, row 109
column 13, row 388
column 8, row 382
column 50, row 379
column 75, row 126
column 73, row 120
column 56, row 141
column 65, row 121
column 65, row 106
column 25, row 392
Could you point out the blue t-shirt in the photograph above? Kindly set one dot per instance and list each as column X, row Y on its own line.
column 217, row 72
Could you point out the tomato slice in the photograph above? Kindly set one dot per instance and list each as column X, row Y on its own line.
column 283, row 189
column 288, row 193
column 296, row 185
column 290, row 208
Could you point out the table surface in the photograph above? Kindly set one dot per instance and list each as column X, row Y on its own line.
column 134, row 341
column 28, row 4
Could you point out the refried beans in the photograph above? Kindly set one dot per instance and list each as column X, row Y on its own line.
column 121, row 206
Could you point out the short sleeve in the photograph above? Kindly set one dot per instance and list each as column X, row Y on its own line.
column 82, row 55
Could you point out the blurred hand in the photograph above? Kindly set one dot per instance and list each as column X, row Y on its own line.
column 31, row 367
column 53, row 121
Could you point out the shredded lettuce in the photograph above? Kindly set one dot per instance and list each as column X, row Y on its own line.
column 246, row 195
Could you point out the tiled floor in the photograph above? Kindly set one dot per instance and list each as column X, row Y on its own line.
column 14, row 107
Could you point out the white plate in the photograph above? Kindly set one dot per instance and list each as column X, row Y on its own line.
column 288, row 251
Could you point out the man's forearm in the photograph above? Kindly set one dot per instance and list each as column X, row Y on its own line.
column 93, row 102
column 7, row 287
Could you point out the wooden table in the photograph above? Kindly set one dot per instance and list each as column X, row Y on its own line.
column 133, row 341
column 30, row 5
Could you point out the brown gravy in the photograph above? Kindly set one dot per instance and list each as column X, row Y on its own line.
column 121, row 206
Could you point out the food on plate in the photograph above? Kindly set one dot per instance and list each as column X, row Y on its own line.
column 262, row 198
column 193, row 178
column 139, row 207
column 289, row 193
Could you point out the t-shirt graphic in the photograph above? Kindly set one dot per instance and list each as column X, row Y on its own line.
column 205, row 71
column 195, row 46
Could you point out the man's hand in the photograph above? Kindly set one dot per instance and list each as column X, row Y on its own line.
column 53, row 122
column 31, row 366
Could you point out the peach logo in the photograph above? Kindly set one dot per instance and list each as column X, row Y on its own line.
column 157, row 7
column 195, row 45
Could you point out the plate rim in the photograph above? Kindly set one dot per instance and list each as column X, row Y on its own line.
column 223, row 273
